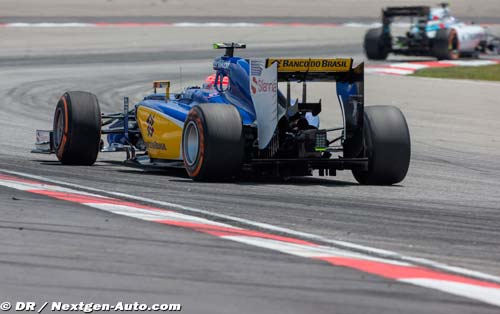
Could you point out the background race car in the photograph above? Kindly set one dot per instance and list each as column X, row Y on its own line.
column 433, row 32
column 241, row 123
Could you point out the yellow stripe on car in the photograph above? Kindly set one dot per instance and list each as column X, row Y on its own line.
column 161, row 134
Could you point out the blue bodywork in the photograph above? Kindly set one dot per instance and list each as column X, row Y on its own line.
column 236, row 93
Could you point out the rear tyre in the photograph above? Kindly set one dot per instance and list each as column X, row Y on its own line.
column 212, row 142
column 77, row 128
column 446, row 45
column 375, row 45
column 387, row 146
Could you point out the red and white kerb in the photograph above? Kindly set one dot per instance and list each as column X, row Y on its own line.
column 479, row 290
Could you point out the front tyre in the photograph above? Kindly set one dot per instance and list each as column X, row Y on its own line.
column 212, row 142
column 387, row 146
column 77, row 128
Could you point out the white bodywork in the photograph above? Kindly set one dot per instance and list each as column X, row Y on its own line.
column 469, row 36
column 264, row 92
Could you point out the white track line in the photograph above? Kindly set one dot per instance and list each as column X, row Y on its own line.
column 265, row 226
column 389, row 70
column 387, row 268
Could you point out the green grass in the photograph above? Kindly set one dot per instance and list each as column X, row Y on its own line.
column 485, row 73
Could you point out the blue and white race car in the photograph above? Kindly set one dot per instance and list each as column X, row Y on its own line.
column 433, row 32
column 240, row 123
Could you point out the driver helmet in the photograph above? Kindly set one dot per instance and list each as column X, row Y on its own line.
column 209, row 82
column 439, row 13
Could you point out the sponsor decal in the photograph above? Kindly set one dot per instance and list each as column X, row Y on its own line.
column 162, row 134
column 312, row 65
column 258, row 83
column 156, row 145
column 150, row 122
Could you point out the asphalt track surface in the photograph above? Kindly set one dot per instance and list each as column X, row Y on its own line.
column 281, row 9
column 447, row 209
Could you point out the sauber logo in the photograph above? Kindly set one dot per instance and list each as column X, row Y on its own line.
column 261, row 86
column 150, row 122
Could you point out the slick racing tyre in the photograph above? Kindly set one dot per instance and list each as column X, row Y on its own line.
column 387, row 146
column 212, row 142
column 446, row 45
column 375, row 46
column 77, row 128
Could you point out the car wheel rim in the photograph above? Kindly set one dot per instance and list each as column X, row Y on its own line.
column 191, row 143
column 59, row 128
column 453, row 46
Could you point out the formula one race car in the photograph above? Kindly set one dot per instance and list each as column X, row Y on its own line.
column 433, row 32
column 240, row 123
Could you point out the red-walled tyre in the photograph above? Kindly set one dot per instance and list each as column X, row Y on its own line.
column 212, row 142
column 77, row 128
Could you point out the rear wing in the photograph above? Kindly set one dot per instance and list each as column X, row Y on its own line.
column 412, row 11
column 421, row 13
column 319, row 70
column 266, row 73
